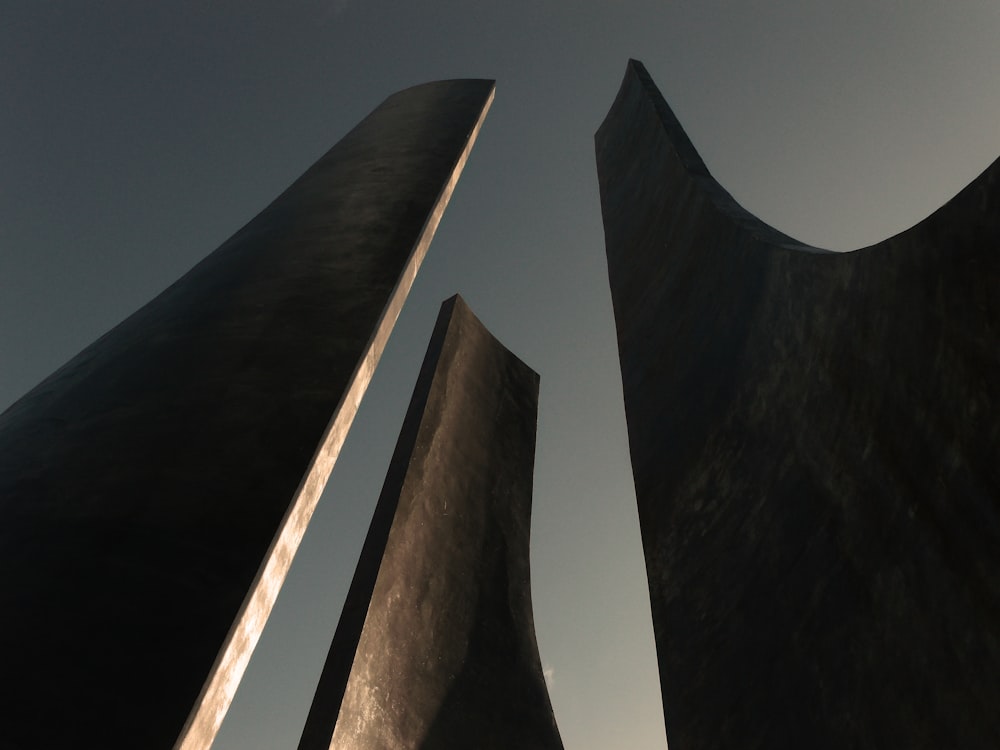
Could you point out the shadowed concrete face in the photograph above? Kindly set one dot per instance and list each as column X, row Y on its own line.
column 154, row 489
column 814, row 444
column 436, row 645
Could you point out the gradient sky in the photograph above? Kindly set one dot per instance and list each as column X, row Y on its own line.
column 136, row 136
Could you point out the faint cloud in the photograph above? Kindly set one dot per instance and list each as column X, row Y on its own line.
column 549, row 673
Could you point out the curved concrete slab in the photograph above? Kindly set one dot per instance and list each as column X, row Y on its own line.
column 436, row 645
column 814, row 442
column 154, row 489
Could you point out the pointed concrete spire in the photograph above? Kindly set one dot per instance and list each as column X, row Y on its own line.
column 153, row 490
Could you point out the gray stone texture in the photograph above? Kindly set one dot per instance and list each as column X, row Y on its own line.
column 814, row 441
column 142, row 484
column 436, row 645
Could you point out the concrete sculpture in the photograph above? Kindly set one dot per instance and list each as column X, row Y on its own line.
column 154, row 489
column 436, row 645
column 814, row 441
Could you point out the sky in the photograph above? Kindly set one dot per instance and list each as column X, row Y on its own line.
column 135, row 137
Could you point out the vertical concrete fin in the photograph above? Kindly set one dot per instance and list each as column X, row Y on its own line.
column 436, row 646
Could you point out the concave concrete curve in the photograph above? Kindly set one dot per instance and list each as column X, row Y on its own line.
column 814, row 440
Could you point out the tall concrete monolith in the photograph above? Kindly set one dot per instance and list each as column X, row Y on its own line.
column 436, row 645
column 814, row 440
column 154, row 489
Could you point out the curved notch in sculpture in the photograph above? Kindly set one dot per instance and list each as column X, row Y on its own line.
column 813, row 440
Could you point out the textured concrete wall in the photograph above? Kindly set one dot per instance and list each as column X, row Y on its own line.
column 814, row 441
column 154, row 489
column 436, row 646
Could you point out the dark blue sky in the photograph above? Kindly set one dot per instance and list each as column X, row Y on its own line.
column 136, row 136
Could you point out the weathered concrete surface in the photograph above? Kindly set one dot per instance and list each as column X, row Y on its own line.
column 154, row 489
column 814, row 441
column 436, row 645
